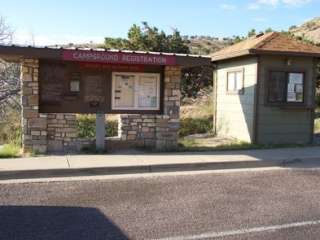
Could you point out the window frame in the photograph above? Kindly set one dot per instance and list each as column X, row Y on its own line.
column 136, row 102
column 239, row 91
column 70, row 86
column 285, row 102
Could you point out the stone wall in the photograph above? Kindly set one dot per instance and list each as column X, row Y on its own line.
column 34, row 124
column 62, row 134
column 44, row 133
column 53, row 132
column 159, row 131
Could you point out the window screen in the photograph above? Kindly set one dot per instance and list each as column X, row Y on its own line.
column 286, row 87
column 136, row 91
column 235, row 82
column 295, row 87
column 277, row 87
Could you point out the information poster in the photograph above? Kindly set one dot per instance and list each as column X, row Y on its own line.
column 124, row 91
column 147, row 92
column 136, row 91
column 295, row 87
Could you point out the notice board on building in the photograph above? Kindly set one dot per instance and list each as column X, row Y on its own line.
column 137, row 91
column 51, row 86
column 94, row 91
column 67, row 87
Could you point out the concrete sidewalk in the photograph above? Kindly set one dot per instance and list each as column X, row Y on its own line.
column 87, row 165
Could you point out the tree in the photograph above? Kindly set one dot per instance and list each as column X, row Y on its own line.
column 5, row 31
column 148, row 38
column 9, row 75
column 252, row 33
column 194, row 79
column 268, row 30
column 10, row 87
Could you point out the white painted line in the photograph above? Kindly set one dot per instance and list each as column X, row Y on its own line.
column 211, row 235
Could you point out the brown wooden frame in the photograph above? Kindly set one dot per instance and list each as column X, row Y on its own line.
column 102, row 108
column 285, row 103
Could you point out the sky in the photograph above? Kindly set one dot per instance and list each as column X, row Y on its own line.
column 47, row 22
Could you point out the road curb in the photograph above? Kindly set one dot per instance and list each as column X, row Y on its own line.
column 138, row 169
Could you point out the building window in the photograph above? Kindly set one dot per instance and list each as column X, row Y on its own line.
column 286, row 87
column 235, row 82
column 75, row 86
column 135, row 91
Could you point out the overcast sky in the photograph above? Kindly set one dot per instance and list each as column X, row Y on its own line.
column 64, row 21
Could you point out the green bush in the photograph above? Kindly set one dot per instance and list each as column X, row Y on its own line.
column 86, row 125
column 189, row 126
column 9, row 151
column 112, row 128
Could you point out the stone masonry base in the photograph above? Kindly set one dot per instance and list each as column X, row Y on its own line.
column 43, row 133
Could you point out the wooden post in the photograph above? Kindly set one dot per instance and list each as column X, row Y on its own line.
column 100, row 132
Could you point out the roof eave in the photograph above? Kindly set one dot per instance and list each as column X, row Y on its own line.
column 287, row 53
column 15, row 53
column 222, row 57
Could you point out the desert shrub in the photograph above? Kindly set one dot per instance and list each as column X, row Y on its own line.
column 10, row 128
column 86, row 125
column 112, row 128
column 195, row 79
column 189, row 126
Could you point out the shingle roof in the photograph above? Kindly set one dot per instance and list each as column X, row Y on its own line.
column 272, row 43
column 57, row 47
column 15, row 52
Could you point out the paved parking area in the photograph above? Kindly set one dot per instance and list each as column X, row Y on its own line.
column 199, row 206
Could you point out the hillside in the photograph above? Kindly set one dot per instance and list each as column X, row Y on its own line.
column 309, row 30
column 204, row 45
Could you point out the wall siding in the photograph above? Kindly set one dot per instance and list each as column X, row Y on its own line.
column 235, row 112
column 278, row 125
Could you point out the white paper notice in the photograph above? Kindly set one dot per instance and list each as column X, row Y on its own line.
column 147, row 91
column 124, row 91
column 295, row 87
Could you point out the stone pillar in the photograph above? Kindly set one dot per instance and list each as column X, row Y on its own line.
column 139, row 128
column 34, row 124
column 156, row 131
column 100, row 132
column 167, row 125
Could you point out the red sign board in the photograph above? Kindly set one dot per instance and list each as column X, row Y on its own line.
column 113, row 67
column 117, row 57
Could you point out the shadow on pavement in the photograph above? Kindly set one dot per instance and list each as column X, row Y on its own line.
column 56, row 223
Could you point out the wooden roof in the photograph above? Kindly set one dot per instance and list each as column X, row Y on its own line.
column 269, row 43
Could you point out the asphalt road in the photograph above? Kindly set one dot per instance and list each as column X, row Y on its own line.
column 280, row 204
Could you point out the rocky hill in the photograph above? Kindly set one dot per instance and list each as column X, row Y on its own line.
column 204, row 45
column 309, row 30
